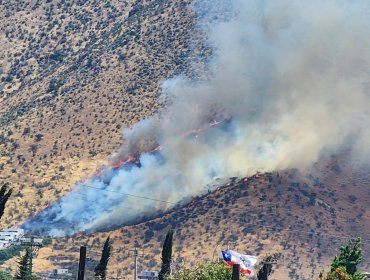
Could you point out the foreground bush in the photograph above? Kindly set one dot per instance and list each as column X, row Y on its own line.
column 344, row 265
column 211, row 271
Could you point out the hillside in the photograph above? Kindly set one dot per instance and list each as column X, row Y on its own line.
column 71, row 78
column 303, row 218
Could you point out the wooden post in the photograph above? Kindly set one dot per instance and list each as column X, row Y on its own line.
column 81, row 266
column 236, row 271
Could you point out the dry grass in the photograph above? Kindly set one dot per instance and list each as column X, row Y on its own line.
column 73, row 76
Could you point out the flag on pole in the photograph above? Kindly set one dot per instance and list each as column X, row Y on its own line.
column 246, row 261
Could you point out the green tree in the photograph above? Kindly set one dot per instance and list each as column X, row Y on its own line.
column 5, row 276
column 5, row 193
column 344, row 265
column 31, row 277
column 24, row 265
column 166, row 255
column 266, row 269
column 350, row 256
column 211, row 271
column 101, row 268
column 10, row 252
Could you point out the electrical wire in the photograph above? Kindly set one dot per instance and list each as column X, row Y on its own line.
column 132, row 195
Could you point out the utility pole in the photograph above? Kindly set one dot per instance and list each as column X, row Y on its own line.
column 236, row 271
column 81, row 266
column 31, row 255
column 136, row 255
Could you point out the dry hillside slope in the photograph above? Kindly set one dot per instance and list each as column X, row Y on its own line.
column 72, row 75
column 302, row 217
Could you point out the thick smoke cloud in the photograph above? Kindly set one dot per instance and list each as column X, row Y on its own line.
column 288, row 80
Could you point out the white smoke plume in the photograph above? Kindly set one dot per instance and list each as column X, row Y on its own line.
column 288, row 80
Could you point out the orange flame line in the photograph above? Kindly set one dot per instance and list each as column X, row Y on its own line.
column 132, row 158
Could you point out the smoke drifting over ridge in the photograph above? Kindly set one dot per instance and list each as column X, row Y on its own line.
column 289, row 80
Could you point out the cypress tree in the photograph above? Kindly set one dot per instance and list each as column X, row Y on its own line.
column 5, row 193
column 166, row 255
column 266, row 269
column 101, row 268
column 3, row 189
column 24, row 264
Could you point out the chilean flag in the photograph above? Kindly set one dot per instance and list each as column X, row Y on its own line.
column 246, row 262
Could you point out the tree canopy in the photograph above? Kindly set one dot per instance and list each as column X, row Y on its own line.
column 5, row 193
column 101, row 268
column 24, row 265
column 166, row 255
column 344, row 265
column 207, row 271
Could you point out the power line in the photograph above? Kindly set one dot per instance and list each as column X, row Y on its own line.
column 132, row 195
column 97, row 201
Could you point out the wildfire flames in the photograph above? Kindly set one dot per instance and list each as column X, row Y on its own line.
column 135, row 159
